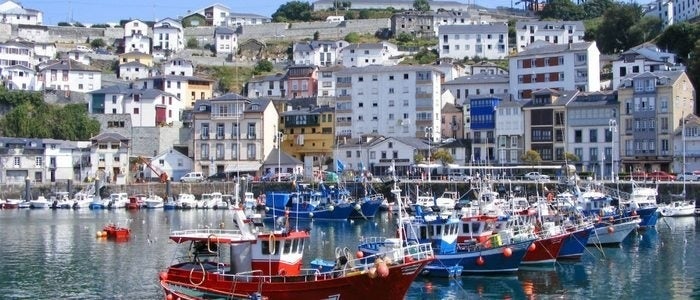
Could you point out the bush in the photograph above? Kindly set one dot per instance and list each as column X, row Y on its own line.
column 352, row 37
column 192, row 43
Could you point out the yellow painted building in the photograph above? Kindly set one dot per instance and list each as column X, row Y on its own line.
column 309, row 135
column 139, row 57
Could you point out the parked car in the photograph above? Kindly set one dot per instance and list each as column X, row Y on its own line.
column 220, row 177
column 536, row 176
column 689, row 176
column 661, row 176
column 192, row 177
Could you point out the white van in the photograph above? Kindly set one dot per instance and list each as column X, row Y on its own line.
column 335, row 19
column 192, row 177
column 458, row 175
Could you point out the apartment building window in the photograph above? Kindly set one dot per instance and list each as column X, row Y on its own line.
column 593, row 154
column 579, row 153
column 664, row 123
column 593, row 135
column 374, row 77
column 251, row 151
column 391, row 90
column 391, row 77
column 204, row 151
column 391, row 103
column 405, row 76
column 38, row 161
column 219, row 151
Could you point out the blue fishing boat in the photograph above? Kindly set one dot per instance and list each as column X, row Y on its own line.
column 641, row 202
column 306, row 205
column 575, row 244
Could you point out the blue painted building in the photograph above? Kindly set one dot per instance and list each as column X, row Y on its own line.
column 482, row 115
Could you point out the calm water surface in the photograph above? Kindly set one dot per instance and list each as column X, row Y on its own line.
column 54, row 254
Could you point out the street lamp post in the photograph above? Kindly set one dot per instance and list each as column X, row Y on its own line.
column 429, row 135
column 613, row 129
column 278, row 138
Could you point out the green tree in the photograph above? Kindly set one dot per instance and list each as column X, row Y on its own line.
column 64, row 24
column 78, row 24
column 531, row 157
column 444, row 156
column 679, row 38
column 596, row 8
column 694, row 64
column 263, row 66
column 614, row 34
column 349, row 15
column 100, row 26
column 647, row 28
column 418, row 157
column 561, row 10
column 405, row 37
column 364, row 14
column 293, row 11
column 426, row 56
column 97, row 43
column 570, row 157
column 192, row 43
column 421, row 5
column 352, row 37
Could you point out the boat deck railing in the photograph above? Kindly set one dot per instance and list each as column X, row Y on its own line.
column 206, row 232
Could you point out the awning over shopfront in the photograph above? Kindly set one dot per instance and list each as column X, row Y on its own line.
column 243, row 166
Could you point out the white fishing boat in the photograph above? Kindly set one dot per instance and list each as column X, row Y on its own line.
column 186, row 201
column 81, row 200
column 205, row 202
column 118, row 200
column 613, row 231
column 217, row 201
column 154, row 201
column 39, row 202
column 678, row 209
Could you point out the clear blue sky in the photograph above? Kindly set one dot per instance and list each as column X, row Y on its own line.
column 103, row 11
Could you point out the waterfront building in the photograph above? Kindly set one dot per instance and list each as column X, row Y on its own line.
column 509, row 130
column 374, row 153
column 362, row 55
column 233, row 134
column 591, row 129
column 550, row 31
column 40, row 160
column 481, row 40
column 652, row 107
column 545, row 122
column 482, row 125
column 172, row 162
column 109, row 157
column 687, row 146
column 14, row 13
column 309, row 135
column 563, row 67
column 186, row 88
column 397, row 101
column 643, row 58
column 452, row 123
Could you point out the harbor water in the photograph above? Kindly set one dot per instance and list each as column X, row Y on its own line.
column 55, row 254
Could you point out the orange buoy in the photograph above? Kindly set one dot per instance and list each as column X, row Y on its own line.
column 383, row 270
column 611, row 229
column 480, row 261
column 359, row 254
column 532, row 247
column 169, row 296
column 507, row 251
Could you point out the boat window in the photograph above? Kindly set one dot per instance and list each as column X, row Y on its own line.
column 301, row 246
column 265, row 247
column 455, row 228
column 431, row 231
column 423, row 233
column 295, row 246
column 475, row 227
column 287, row 246
column 466, row 228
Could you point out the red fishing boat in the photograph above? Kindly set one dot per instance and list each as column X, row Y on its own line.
column 251, row 263
column 113, row 231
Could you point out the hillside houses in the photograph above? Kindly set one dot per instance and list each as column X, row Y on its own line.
column 363, row 103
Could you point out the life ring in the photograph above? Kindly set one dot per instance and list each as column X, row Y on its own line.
column 209, row 240
column 204, row 275
column 271, row 244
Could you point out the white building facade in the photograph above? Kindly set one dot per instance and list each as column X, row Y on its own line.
column 555, row 32
column 398, row 101
column 168, row 35
column 483, row 40
column 361, row 55
column 561, row 67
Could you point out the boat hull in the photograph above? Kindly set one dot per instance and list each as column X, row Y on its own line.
column 545, row 251
column 649, row 216
column 354, row 285
column 337, row 213
column 368, row 209
column 612, row 234
column 575, row 244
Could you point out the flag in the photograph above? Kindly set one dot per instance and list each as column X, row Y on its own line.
column 339, row 166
